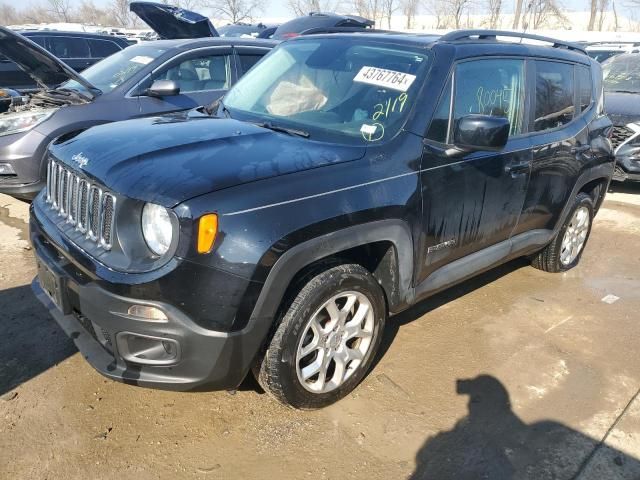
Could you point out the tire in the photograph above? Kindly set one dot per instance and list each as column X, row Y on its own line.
column 554, row 258
column 284, row 369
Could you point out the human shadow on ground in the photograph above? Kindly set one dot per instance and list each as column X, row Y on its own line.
column 492, row 442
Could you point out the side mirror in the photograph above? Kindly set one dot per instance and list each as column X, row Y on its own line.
column 474, row 133
column 163, row 88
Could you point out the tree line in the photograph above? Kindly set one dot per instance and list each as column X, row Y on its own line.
column 530, row 14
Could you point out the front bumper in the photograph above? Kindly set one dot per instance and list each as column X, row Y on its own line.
column 96, row 318
column 24, row 153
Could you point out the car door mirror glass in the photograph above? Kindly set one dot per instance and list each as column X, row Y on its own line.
column 163, row 88
column 481, row 132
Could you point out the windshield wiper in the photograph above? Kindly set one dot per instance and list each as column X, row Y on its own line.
column 75, row 93
column 623, row 91
column 277, row 128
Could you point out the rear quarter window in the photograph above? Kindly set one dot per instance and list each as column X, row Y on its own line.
column 103, row 48
column 585, row 87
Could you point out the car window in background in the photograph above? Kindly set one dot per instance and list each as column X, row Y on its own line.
column 622, row 73
column 116, row 69
column 491, row 87
column 554, row 95
column 40, row 40
column 103, row 48
column 248, row 61
column 585, row 87
column 209, row 72
column 602, row 55
column 69, row 47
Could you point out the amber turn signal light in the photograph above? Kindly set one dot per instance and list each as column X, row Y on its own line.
column 207, row 231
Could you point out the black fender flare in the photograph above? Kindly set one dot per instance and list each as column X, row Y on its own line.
column 303, row 254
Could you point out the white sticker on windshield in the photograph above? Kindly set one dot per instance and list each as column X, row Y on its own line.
column 382, row 77
column 142, row 59
column 368, row 129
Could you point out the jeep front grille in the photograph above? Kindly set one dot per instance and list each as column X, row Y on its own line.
column 86, row 206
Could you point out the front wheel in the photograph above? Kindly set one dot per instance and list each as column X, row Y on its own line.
column 565, row 250
column 327, row 339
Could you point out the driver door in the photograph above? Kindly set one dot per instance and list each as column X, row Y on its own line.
column 472, row 201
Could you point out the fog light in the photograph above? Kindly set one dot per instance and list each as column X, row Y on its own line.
column 6, row 169
column 147, row 350
column 147, row 313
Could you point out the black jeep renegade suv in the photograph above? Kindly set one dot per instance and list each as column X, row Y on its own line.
column 343, row 179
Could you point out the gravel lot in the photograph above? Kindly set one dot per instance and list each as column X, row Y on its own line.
column 518, row 373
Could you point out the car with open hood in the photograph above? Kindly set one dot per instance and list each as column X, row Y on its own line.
column 622, row 104
column 79, row 50
column 343, row 179
column 145, row 79
column 320, row 22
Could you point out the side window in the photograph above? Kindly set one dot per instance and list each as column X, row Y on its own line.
column 102, row 48
column 248, row 61
column 585, row 88
column 69, row 47
column 491, row 87
column 209, row 72
column 439, row 127
column 554, row 95
column 37, row 39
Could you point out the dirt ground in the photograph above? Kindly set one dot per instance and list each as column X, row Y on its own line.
column 516, row 373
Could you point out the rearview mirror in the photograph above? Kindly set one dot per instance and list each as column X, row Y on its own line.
column 163, row 88
column 481, row 132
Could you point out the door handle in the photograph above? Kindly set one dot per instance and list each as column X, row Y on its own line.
column 517, row 168
column 580, row 148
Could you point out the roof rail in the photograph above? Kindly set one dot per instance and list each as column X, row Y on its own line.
column 493, row 34
column 316, row 30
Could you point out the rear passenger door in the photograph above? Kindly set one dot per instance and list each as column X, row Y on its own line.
column 203, row 76
column 560, row 140
column 472, row 201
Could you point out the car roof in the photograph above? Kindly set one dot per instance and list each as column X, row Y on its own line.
column 464, row 48
column 61, row 33
column 213, row 41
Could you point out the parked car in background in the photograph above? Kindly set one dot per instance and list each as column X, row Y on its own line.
column 259, row 30
column 10, row 97
column 344, row 179
column 78, row 50
column 173, row 23
column 319, row 22
column 145, row 79
column 603, row 51
column 622, row 104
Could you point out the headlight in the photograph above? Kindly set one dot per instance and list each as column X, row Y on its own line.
column 156, row 228
column 21, row 122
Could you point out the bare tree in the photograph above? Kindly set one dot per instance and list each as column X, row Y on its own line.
column 544, row 13
column 389, row 7
column 410, row 10
column 234, row 11
column 60, row 9
column 439, row 9
column 593, row 14
column 371, row 9
column 603, row 7
column 304, row 7
column 517, row 14
column 457, row 9
column 495, row 9
column 8, row 15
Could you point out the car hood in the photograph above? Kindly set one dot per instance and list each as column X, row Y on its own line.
column 43, row 67
column 172, row 22
column 622, row 108
column 173, row 158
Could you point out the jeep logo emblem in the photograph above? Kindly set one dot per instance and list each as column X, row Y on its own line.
column 80, row 159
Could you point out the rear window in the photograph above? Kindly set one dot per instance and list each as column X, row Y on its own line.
column 69, row 47
column 103, row 48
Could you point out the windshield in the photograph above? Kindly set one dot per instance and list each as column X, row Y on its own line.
column 622, row 73
column 338, row 89
column 117, row 68
column 602, row 55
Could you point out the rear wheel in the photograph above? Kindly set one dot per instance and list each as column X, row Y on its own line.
column 327, row 339
column 565, row 250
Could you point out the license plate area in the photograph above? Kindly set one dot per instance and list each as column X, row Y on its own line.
column 53, row 285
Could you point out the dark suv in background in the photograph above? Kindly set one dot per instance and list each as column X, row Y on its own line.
column 343, row 179
column 78, row 50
